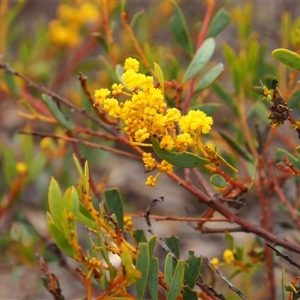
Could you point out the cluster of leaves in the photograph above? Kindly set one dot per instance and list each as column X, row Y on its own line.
column 237, row 144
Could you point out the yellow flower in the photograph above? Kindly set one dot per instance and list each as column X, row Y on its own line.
column 196, row 121
column 131, row 64
column 228, row 256
column 167, row 143
column 215, row 261
column 182, row 141
column 151, row 181
column 165, row 167
column 149, row 161
column 21, row 168
column 127, row 223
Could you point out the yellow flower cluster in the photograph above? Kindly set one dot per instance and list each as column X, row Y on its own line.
column 145, row 114
column 228, row 257
column 65, row 30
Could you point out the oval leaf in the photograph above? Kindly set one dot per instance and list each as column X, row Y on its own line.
column 114, row 202
column 201, row 58
column 218, row 181
column 142, row 264
column 176, row 283
column 56, row 112
column 220, row 20
column 209, row 77
column 180, row 30
column 287, row 57
column 60, row 240
column 179, row 159
column 192, row 270
column 55, row 202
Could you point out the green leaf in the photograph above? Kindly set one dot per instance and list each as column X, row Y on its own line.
column 236, row 146
column 142, row 264
column 55, row 202
column 180, row 30
column 209, row 108
column 114, row 202
column 36, row 166
column 11, row 83
column 139, row 236
column 224, row 96
column 209, row 77
column 160, row 76
column 218, row 181
column 287, row 57
column 152, row 243
column 56, row 112
column 27, row 147
column 119, row 72
column 192, row 269
column 78, row 167
column 176, row 283
column 179, row 159
column 294, row 160
column 85, row 217
column 188, row 294
column 153, row 278
column 168, row 269
column 109, row 68
column 229, row 240
column 173, row 243
column 201, row 58
column 220, row 20
column 135, row 18
column 153, row 269
column 60, row 240
column 239, row 253
column 9, row 164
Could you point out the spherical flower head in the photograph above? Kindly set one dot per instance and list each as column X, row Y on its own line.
column 128, row 223
column 88, row 13
column 171, row 117
column 167, row 143
column 228, row 256
column 21, row 168
column 149, row 161
column 182, row 141
column 215, row 261
column 131, row 64
column 101, row 94
column 196, row 121
column 165, row 167
column 135, row 80
column 141, row 135
column 111, row 105
column 117, row 89
column 151, row 181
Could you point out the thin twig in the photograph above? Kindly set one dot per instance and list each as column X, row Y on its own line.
column 285, row 256
column 54, row 95
column 180, row 219
column 234, row 289
column 160, row 240
column 79, row 141
column 51, row 282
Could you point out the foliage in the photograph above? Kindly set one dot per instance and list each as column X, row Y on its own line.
column 146, row 104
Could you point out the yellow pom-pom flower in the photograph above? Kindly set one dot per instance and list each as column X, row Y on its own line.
column 228, row 256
